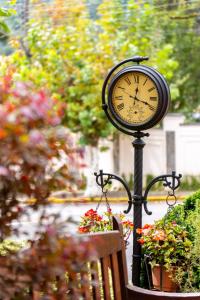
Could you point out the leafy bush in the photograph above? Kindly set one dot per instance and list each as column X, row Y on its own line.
column 32, row 145
column 187, row 214
column 165, row 243
column 188, row 276
column 191, row 201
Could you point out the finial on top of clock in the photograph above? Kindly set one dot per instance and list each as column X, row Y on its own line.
column 138, row 59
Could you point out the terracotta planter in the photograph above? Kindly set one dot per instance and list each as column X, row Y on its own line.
column 162, row 281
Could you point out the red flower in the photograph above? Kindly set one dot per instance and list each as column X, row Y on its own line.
column 139, row 230
column 3, row 134
column 141, row 241
column 90, row 213
column 83, row 229
column 147, row 226
column 128, row 223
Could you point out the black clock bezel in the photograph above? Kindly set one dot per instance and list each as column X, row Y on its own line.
column 163, row 97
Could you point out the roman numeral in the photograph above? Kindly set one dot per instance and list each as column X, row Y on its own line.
column 120, row 106
column 136, row 77
column 145, row 81
column 119, row 97
column 127, row 80
column 153, row 98
column 151, row 89
column 151, row 108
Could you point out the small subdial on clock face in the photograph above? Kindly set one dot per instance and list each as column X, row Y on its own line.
column 135, row 114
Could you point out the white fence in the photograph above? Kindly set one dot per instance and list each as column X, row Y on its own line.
column 174, row 147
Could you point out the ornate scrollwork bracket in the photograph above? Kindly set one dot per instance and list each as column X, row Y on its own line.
column 172, row 181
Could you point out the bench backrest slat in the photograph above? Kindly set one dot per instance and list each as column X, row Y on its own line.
column 109, row 271
column 115, row 277
column 105, row 265
column 103, row 277
column 96, row 294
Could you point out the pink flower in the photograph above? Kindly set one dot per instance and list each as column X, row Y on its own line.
column 40, row 104
column 55, row 121
column 51, row 231
column 27, row 112
column 159, row 235
column 3, row 171
column 21, row 90
column 36, row 137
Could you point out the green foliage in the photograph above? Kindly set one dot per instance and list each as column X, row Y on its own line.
column 91, row 221
column 192, row 201
column 182, row 213
column 181, row 24
column 187, row 214
column 71, row 55
column 10, row 246
column 188, row 276
column 32, row 143
column 166, row 243
column 190, row 183
column 4, row 13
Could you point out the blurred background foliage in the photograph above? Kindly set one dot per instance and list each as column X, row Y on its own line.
column 69, row 47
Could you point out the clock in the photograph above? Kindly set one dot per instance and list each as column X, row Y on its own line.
column 138, row 97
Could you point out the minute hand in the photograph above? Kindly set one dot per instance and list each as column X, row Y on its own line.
column 146, row 103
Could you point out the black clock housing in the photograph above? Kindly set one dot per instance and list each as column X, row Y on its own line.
column 163, row 97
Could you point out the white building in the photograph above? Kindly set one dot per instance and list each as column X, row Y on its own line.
column 175, row 146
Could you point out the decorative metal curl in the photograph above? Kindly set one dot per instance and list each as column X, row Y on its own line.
column 173, row 184
column 102, row 182
column 102, row 179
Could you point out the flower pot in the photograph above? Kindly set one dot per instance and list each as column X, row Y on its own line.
column 161, row 279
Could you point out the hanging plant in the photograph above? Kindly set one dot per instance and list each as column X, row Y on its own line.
column 91, row 221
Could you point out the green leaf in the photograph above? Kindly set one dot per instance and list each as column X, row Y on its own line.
column 3, row 27
column 5, row 12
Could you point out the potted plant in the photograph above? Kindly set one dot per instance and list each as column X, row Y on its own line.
column 188, row 214
column 167, row 245
column 91, row 221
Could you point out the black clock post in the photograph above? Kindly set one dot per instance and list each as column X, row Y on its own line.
column 138, row 145
column 138, row 199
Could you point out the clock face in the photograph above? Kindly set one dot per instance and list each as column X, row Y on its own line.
column 134, row 98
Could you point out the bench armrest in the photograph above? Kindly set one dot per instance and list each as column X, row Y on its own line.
column 135, row 292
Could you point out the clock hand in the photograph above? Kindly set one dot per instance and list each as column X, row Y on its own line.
column 146, row 103
column 136, row 91
column 135, row 98
column 129, row 94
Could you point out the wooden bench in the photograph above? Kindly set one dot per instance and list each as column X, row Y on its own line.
column 109, row 272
